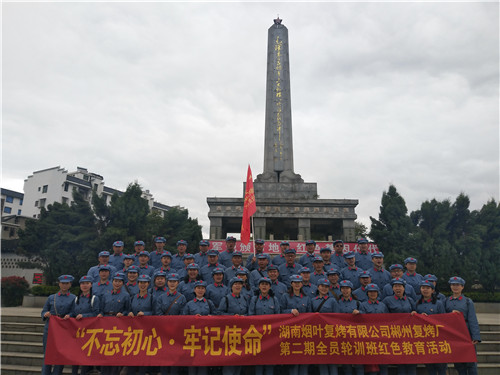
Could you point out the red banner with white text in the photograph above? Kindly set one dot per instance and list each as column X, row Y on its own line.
column 311, row 338
column 273, row 247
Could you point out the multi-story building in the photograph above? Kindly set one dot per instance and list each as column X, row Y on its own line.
column 56, row 184
column 13, row 218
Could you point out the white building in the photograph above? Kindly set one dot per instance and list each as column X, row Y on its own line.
column 56, row 184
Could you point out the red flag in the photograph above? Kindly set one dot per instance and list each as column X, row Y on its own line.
column 249, row 208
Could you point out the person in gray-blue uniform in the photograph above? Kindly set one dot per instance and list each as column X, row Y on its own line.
column 259, row 271
column 333, row 276
column 264, row 302
column 309, row 288
column 396, row 271
column 380, row 276
column 86, row 306
column 428, row 304
column 187, row 260
column 246, row 291
column 400, row 303
column 351, row 271
column 280, row 258
column 277, row 286
column 116, row 259
column 59, row 304
column 458, row 303
column 213, row 262
column 324, row 302
column 144, row 267
column 307, row 259
column 225, row 257
column 199, row 306
column 159, row 285
column 166, row 263
column 132, row 284
column 155, row 256
column 337, row 258
column 103, row 284
column 187, row 284
column 349, row 305
column 364, row 279
column 178, row 259
column 363, row 256
column 201, row 257
column 170, row 303
column 288, row 268
column 230, row 272
column 138, row 247
column 251, row 263
column 374, row 306
column 128, row 260
column 411, row 276
column 295, row 302
column 326, row 254
column 141, row 304
column 93, row 272
column 440, row 296
column 217, row 289
column 233, row 303
column 318, row 270
column 116, row 302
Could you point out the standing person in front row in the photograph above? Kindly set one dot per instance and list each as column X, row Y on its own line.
column 348, row 304
column 59, row 304
column 236, row 304
column 324, row 302
column 294, row 302
column 86, row 305
column 428, row 304
column 400, row 303
column 264, row 303
column 141, row 304
column 458, row 303
column 115, row 302
column 170, row 303
column 374, row 306
column 199, row 306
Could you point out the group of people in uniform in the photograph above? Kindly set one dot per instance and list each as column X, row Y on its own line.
column 213, row 283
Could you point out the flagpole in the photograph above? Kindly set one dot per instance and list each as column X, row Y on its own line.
column 253, row 237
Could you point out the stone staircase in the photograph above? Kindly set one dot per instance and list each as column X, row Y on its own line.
column 22, row 351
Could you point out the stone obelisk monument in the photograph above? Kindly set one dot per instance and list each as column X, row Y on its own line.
column 278, row 145
column 287, row 207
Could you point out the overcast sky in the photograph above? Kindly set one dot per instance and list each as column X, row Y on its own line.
column 173, row 95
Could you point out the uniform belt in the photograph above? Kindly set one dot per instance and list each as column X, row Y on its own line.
column 110, row 313
column 61, row 315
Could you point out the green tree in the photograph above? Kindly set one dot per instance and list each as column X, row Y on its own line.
column 360, row 230
column 177, row 225
column 393, row 231
column 63, row 239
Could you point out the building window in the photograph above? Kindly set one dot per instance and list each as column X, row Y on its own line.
column 42, row 202
column 95, row 187
column 21, row 201
column 36, row 203
column 39, row 188
column 66, row 186
column 7, row 210
column 45, row 188
column 19, row 212
column 9, row 199
column 86, row 177
column 34, row 216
